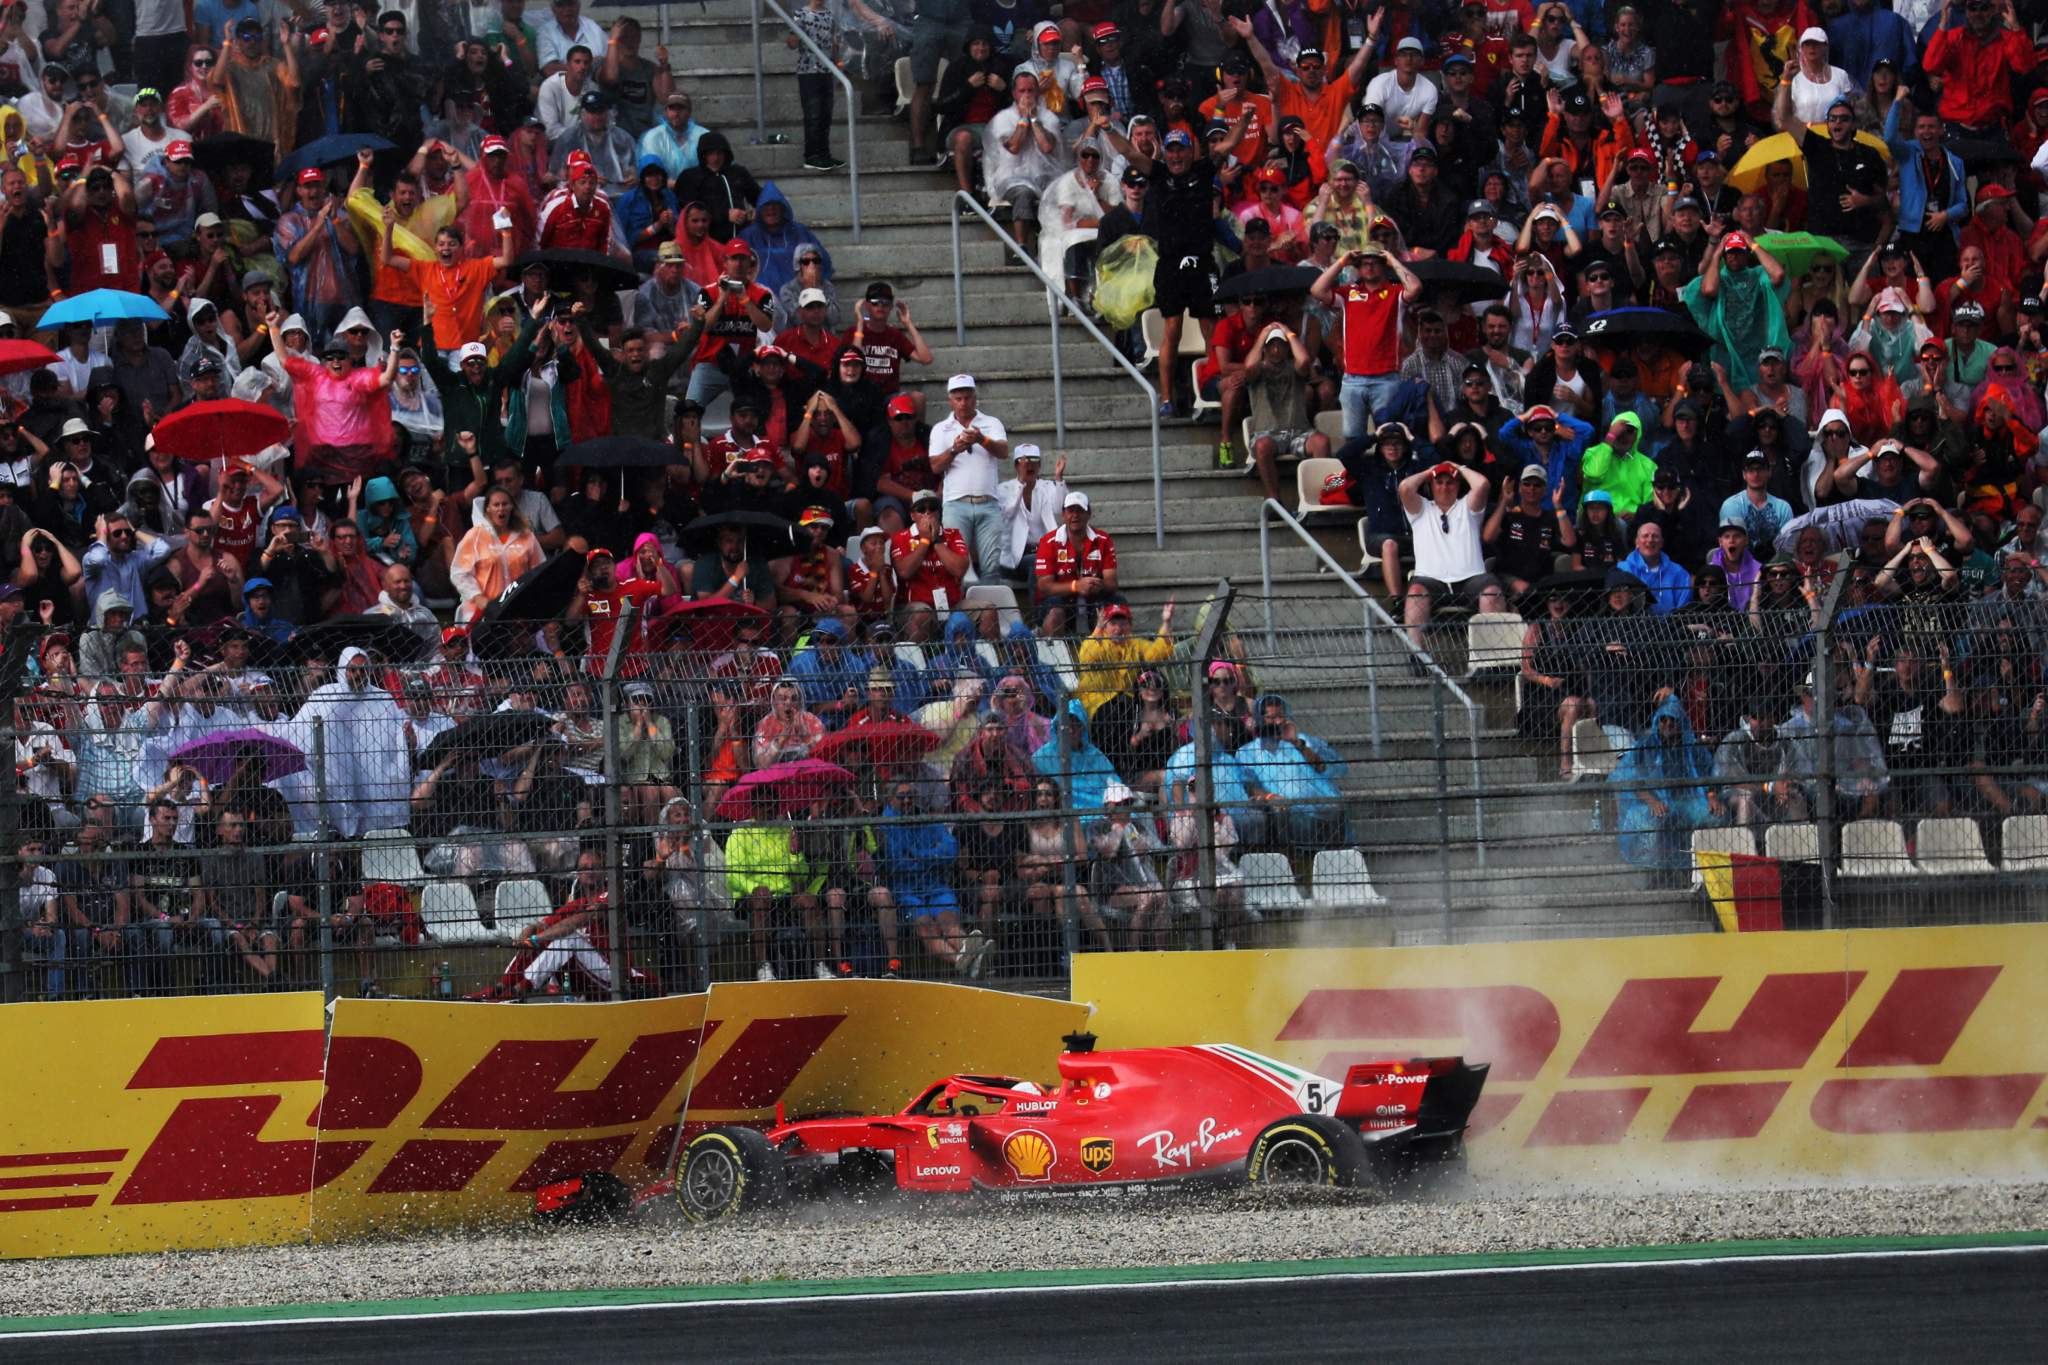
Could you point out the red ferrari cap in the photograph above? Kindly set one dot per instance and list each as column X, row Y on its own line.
column 495, row 144
column 736, row 248
column 312, row 175
column 179, row 150
column 1105, row 31
column 902, row 405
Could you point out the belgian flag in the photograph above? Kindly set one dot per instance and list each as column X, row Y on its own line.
column 1752, row 894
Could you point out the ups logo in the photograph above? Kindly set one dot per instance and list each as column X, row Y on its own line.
column 1098, row 1154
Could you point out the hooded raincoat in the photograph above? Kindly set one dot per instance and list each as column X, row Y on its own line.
column 1662, row 783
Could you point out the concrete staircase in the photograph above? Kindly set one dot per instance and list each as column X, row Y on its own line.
column 1547, row 870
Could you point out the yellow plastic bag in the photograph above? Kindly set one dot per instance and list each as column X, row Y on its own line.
column 1123, row 279
column 367, row 212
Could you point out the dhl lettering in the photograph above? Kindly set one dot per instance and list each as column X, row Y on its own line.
column 1920, row 1017
column 1513, row 1026
column 212, row 1149
column 1647, row 1030
column 518, row 1084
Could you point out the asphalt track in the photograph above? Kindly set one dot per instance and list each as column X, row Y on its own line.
column 1949, row 1303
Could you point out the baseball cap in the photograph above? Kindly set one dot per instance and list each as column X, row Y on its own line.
column 1542, row 412
column 287, row 513
column 869, row 534
column 2031, row 303
column 1094, row 85
column 1135, row 178
column 179, row 150
column 1770, row 353
column 1076, row 499
column 597, row 100
column 1644, row 155
column 772, row 353
column 1536, row 471
column 1610, row 210
column 205, row 365
column 1816, row 34
column 959, row 381
column 902, row 405
column 1324, row 232
column 578, row 164
column 1026, row 451
column 1178, row 137
column 1756, row 457
column 252, row 279
column 1567, row 332
column 814, row 516
column 312, row 175
column 1105, row 32
column 494, row 143
column 736, row 249
column 1989, row 192
column 811, row 296
column 1409, row 44
column 1547, row 211
column 745, row 403
column 454, row 633
column 1423, row 152
column 596, row 551
column 1736, row 241
column 1968, row 312
column 1733, row 524
column 247, row 27
column 1480, row 208
column 1237, row 64
column 149, row 92
column 1686, row 201
column 924, row 497
column 470, row 350
column 1664, row 478
column 207, row 220
column 1458, row 58
column 1669, row 244
column 880, row 292
column 1578, row 102
column 1256, row 227
column 669, row 253
column 1116, row 611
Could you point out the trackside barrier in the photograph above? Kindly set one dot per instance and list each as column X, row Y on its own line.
column 190, row 1123
column 1883, row 1053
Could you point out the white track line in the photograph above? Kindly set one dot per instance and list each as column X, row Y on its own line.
column 994, row 1291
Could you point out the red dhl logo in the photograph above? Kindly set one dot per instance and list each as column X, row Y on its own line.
column 1647, row 1032
column 210, row 1147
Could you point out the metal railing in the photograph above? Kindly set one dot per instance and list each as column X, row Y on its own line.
column 1375, row 619
column 832, row 68
column 1055, row 300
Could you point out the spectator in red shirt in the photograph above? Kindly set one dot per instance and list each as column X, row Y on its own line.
column 1075, row 570
column 576, row 217
column 601, row 599
column 1976, row 63
column 870, row 582
column 887, row 347
column 2005, row 255
column 99, row 232
column 809, row 339
column 906, row 466
column 1372, row 306
column 928, row 560
column 738, row 310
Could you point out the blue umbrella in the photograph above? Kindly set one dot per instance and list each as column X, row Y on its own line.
column 103, row 305
column 328, row 150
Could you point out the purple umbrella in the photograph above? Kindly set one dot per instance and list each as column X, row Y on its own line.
column 215, row 756
column 793, row 784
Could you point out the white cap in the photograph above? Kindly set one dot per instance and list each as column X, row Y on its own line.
column 960, row 381
column 1117, row 794
column 471, row 350
column 75, row 427
column 1814, row 35
column 1076, row 499
column 1026, row 451
column 872, row 531
column 811, row 296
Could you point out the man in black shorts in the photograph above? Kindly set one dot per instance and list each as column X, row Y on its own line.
column 1179, row 216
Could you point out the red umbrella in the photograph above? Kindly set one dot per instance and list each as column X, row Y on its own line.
column 19, row 356
column 221, row 430
column 706, row 624
column 788, row 785
column 884, row 744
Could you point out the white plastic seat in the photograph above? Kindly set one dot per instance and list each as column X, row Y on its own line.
column 2024, row 843
column 1593, row 751
column 1308, row 487
column 1152, row 326
column 1950, row 847
column 910, row 655
column 1369, row 558
column 1269, row 885
column 519, row 902
column 448, row 909
column 1001, row 596
column 1875, row 848
column 1201, row 404
column 1339, row 880
column 1792, row 843
column 905, row 87
column 1330, row 422
column 391, row 856
column 1055, row 655
column 985, row 650
column 1720, row 839
column 1493, row 642
column 711, row 857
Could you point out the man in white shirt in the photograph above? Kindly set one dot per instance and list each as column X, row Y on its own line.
column 1450, row 561
column 1031, row 510
column 560, row 103
column 1407, row 96
column 965, row 451
column 1020, row 155
column 151, row 135
column 564, row 29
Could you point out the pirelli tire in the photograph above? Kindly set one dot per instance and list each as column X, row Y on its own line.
column 726, row 1172
column 1306, row 1150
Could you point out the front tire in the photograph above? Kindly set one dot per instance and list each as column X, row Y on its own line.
column 1306, row 1150
column 725, row 1172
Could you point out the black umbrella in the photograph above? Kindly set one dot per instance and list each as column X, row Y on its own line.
column 542, row 593
column 1465, row 282
column 1582, row 588
column 396, row 642
column 1627, row 326
column 327, row 151
column 1273, row 280
column 621, row 452
column 564, row 267
column 223, row 150
column 486, row 736
column 766, row 533
column 1977, row 153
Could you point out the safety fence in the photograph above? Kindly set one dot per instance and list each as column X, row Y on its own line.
column 985, row 804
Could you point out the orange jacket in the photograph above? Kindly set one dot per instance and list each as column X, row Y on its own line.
column 1609, row 145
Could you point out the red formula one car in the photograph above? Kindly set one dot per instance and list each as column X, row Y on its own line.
column 1116, row 1123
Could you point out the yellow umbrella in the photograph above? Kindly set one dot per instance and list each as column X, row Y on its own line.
column 1748, row 175
column 367, row 212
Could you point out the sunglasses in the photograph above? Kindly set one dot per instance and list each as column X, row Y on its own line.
column 202, row 63
column 396, row 30
column 85, row 87
column 408, row 369
column 1859, row 372
column 2005, row 369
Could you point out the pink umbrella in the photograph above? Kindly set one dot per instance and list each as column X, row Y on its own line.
column 216, row 756
column 787, row 785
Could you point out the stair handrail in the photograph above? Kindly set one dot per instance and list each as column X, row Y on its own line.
column 831, row 68
column 1055, row 300
column 1269, row 511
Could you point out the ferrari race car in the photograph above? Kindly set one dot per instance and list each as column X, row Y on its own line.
column 1116, row 1123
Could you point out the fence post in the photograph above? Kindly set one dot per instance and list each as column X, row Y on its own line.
column 13, row 981
column 1826, row 826
column 608, row 687
column 323, row 895
column 1070, row 933
column 760, row 80
column 1443, row 798
column 1213, row 624
column 1059, row 403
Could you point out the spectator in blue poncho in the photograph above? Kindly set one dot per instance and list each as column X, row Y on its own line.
column 1663, row 783
column 775, row 234
column 1091, row 772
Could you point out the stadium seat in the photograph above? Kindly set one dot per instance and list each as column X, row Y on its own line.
column 1493, row 643
column 1593, row 751
column 1330, row 422
column 1340, row 881
column 986, row 652
column 1201, row 404
column 1951, row 847
column 1001, row 596
column 1055, row 655
column 904, row 86
column 389, row 855
column 448, row 909
column 1720, row 839
column 519, row 902
column 2023, row 843
column 1369, row 560
column 1792, row 843
column 1875, row 848
column 1308, row 488
column 910, row 655
column 1269, row 885
column 1152, row 326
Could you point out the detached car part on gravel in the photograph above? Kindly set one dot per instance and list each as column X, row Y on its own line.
column 1116, row 1124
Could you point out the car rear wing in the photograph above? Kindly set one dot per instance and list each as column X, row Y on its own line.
column 1434, row 1095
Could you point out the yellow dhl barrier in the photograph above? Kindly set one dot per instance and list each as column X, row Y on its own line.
column 1896, row 1053
column 202, row 1122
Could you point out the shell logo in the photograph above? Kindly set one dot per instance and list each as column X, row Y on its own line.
column 1030, row 1154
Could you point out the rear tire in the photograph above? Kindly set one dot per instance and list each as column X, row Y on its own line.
column 1306, row 1150
column 725, row 1172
